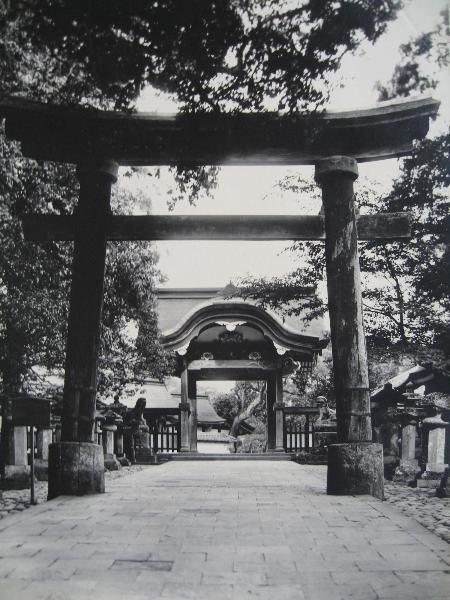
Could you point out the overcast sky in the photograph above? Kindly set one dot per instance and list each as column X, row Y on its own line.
column 251, row 190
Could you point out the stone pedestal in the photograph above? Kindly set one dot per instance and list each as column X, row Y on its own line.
column 325, row 434
column 111, row 462
column 386, row 433
column 43, row 441
column 355, row 468
column 118, row 447
column 436, row 455
column 142, row 449
column 409, row 468
column 75, row 469
column 128, row 444
column 17, row 471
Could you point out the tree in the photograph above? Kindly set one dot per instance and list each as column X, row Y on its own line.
column 413, row 75
column 35, row 278
column 245, row 400
column 219, row 55
column 406, row 285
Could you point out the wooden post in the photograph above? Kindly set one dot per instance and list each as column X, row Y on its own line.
column 192, row 399
column 279, row 415
column 270, row 403
column 352, row 466
column 184, row 413
column 86, row 301
column 77, row 453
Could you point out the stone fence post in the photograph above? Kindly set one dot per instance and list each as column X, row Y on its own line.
column 279, row 426
column 17, row 471
column 119, row 446
column 437, row 453
column 185, row 445
column 409, row 465
column 43, row 441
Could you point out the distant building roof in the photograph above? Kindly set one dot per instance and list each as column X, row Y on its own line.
column 206, row 415
column 419, row 376
column 155, row 392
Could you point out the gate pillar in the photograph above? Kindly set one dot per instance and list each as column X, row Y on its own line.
column 184, row 425
column 76, row 464
column 279, row 412
column 270, row 409
column 355, row 465
column 192, row 400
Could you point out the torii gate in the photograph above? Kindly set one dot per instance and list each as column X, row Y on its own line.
column 97, row 142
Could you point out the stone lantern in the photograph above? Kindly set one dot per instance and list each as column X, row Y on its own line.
column 438, row 430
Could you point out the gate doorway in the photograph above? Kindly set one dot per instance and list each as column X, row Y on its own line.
column 230, row 340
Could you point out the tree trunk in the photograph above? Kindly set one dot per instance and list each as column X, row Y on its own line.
column 246, row 412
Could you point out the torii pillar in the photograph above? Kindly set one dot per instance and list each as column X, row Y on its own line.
column 355, row 464
column 76, row 464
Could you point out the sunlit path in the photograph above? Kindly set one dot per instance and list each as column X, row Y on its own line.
column 220, row 530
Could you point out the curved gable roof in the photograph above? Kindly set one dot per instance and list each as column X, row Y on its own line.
column 232, row 313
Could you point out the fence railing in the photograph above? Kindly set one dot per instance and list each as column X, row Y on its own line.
column 165, row 437
column 299, row 428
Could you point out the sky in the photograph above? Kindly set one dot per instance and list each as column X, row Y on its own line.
column 252, row 190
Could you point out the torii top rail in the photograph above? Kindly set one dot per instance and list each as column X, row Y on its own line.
column 48, row 132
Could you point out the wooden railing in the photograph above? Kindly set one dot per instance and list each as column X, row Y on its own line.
column 299, row 433
column 165, row 437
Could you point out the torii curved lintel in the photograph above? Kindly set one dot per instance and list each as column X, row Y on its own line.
column 50, row 132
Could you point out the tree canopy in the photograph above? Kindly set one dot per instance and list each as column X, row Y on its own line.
column 35, row 278
column 406, row 293
column 212, row 55
column 219, row 55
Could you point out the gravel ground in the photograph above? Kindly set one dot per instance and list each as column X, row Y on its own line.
column 12, row 501
column 421, row 504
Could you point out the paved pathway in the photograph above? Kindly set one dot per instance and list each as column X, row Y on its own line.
column 220, row 530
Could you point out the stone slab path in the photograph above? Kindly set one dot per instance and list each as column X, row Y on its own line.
column 220, row 530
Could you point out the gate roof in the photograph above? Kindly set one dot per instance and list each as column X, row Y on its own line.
column 216, row 327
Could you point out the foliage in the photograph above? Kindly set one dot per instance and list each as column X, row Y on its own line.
column 406, row 284
column 254, row 443
column 248, row 398
column 218, row 55
column 221, row 55
column 35, row 278
column 431, row 48
column 303, row 389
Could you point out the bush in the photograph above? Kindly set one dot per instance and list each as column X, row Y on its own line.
column 253, row 443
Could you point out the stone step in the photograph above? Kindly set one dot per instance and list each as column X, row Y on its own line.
column 212, row 456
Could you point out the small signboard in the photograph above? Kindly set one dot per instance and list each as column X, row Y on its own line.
column 29, row 411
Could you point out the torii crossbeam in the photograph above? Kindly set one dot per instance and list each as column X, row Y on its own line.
column 334, row 142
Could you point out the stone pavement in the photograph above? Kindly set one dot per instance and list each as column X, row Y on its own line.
column 220, row 530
